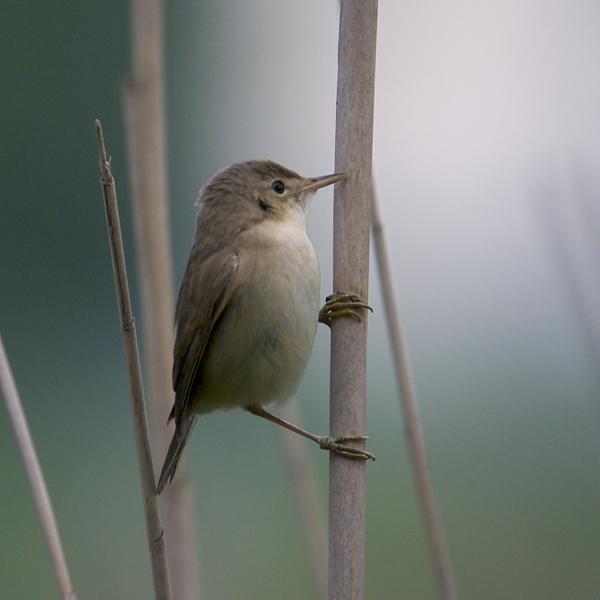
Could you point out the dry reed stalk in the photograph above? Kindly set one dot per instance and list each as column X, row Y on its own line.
column 414, row 432
column 146, row 141
column 306, row 491
column 353, row 154
column 39, row 491
column 154, row 530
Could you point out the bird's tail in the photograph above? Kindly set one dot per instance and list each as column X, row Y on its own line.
column 182, row 432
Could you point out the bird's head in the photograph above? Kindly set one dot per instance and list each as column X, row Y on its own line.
column 263, row 188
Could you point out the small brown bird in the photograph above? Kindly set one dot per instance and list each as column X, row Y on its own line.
column 248, row 305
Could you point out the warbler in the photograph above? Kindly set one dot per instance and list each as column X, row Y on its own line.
column 248, row 305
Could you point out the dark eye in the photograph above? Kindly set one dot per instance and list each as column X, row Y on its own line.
column 278, row 187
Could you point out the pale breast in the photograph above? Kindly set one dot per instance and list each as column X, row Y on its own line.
column 259, row 349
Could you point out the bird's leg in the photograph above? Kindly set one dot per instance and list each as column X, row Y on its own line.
column 342, row 304
column 325, row 442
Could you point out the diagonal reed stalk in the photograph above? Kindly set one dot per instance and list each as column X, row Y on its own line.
column 39, row 491
column 351, row 229
column 414, row 432
column 154, row 530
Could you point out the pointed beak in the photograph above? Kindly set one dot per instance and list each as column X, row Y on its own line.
column 315, row 183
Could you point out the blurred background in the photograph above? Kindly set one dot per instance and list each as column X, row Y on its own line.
column 487, row 161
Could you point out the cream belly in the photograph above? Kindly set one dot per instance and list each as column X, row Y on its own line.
column 274, row 314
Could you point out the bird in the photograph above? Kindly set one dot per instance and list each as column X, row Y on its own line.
column 248, row 305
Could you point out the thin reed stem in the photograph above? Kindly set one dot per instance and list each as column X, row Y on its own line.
column 306, row 492
column 39, row 491
column 414, row 432
column 154, row 530
column 145, row 127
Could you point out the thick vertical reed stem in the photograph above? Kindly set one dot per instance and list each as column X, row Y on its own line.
column 39, row 491
column 353, row 150
column 154, row 530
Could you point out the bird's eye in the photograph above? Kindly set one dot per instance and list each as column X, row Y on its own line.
column 278, row 187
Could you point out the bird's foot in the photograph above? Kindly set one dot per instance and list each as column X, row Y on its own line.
column 325, row 442
column 337, row 445
column 342, row 304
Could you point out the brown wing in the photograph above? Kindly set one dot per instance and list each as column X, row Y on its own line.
column 207, row 286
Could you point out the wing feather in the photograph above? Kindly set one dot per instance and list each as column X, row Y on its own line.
column 207, row 287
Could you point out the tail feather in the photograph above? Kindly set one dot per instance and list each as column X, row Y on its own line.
column 182, row 432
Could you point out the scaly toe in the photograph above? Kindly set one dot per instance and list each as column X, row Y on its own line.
column 350, row 438
column 339, row 305
column 334, row 445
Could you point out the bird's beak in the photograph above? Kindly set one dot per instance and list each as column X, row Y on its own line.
column 315, row 183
